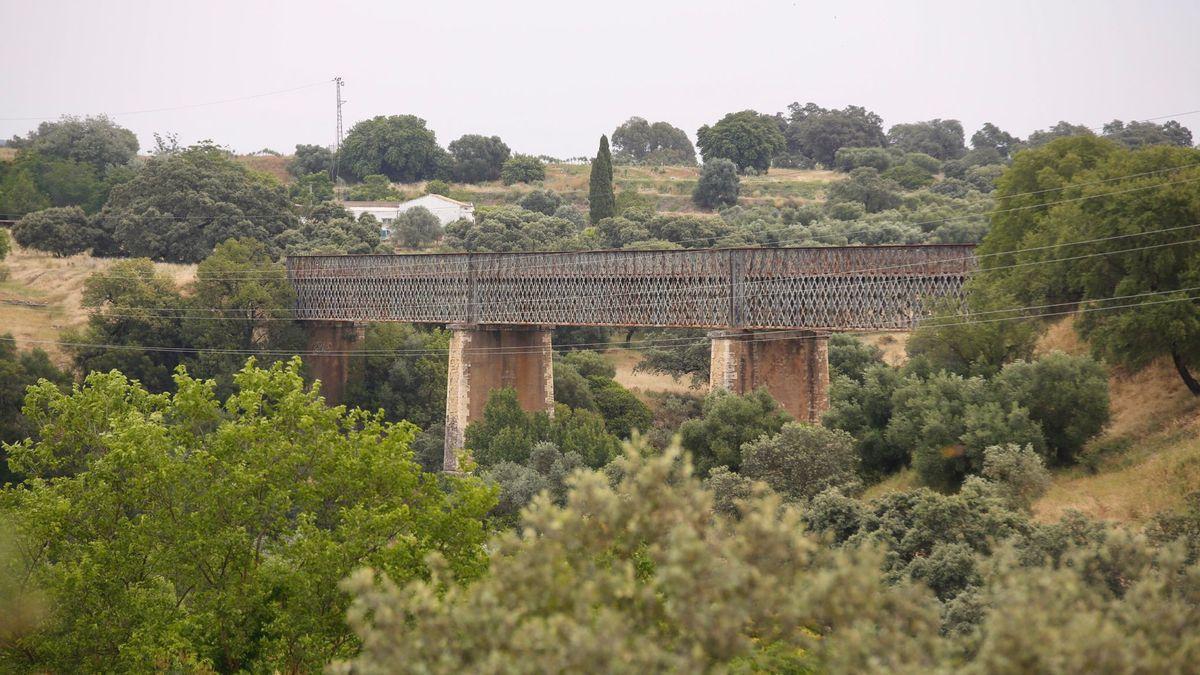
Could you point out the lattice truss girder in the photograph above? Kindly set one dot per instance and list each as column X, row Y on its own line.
column 837, row 288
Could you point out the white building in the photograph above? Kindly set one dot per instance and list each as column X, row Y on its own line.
column 446, row 210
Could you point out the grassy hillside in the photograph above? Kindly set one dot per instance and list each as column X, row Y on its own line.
column 667, row 188
column 272, row 165
column 1145, row 461
column 42, row 295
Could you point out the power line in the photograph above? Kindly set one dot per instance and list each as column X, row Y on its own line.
column 854, row 284
column 178, row 107
column 337, row 151
column 181, row 317
column 758, row 336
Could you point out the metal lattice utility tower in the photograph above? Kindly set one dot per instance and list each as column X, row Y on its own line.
column 337, row 81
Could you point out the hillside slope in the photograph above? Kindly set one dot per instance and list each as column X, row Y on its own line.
column 42, row 295
column 666, row 188
column 1146, row 460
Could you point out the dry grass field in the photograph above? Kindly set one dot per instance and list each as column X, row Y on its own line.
column 642, row 384
column 42, row 295
column 667, row 188
column 1146, row 460
column 273, row 166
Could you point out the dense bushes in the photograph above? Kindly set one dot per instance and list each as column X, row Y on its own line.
column 748, row 139
column 510, row 228
column 478, row 158
column 642, row 575
column 400, row 147
column 943, row 422
column 545, row 470
column 522, row 169
column 584, row 379
column 328, row 228
column 866, row 187
column 416, row 227
column 728, row 421
column 637, row 141
column 506, row 433
column 803, row 460
column 161, row 215
column 19, row 370
column 61, row 231
column 402, row 371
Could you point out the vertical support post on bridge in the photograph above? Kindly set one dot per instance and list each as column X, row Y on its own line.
column 331, row 343
column 485, row 358
column 793, row 366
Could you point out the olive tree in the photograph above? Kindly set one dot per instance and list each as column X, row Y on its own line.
column 803, row 460
column 416, row 227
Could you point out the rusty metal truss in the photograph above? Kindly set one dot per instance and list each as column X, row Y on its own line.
column 834, row 288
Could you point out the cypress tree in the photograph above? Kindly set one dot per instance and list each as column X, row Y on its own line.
column 602, row 203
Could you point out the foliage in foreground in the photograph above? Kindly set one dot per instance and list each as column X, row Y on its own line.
column 634, row 578
column 178, row 531
column 640, row 576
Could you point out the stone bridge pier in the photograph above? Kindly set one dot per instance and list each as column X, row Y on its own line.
column 792, row 365
column 330, row 344
column 485, row 358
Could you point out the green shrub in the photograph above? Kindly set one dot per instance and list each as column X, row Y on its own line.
column 718, row 184
column 1019, row 473
column 864, row 409
column 728, row 422
column 61, row 231
column 803, row 460
column 1066, row 395
column 522, row 169
column 947, row 421
column 416, row 227
column 848, row 159
column 851, row 357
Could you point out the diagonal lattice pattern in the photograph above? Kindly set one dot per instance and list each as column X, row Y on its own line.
column 836, row 288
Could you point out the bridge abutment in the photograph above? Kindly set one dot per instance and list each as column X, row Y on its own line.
column 792, row 365
column 332, row 342
column 486, row 358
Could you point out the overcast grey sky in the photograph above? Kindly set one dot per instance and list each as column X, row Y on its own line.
column 551, row 76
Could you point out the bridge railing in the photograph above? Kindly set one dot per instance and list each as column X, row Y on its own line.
column 837, row 288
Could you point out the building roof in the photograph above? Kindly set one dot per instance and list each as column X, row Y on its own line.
column 442, row 198
column 393, row 205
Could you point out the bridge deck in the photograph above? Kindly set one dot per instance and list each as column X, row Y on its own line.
column 836, row 288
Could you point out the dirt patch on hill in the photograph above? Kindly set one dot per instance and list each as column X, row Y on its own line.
column 273, row 166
